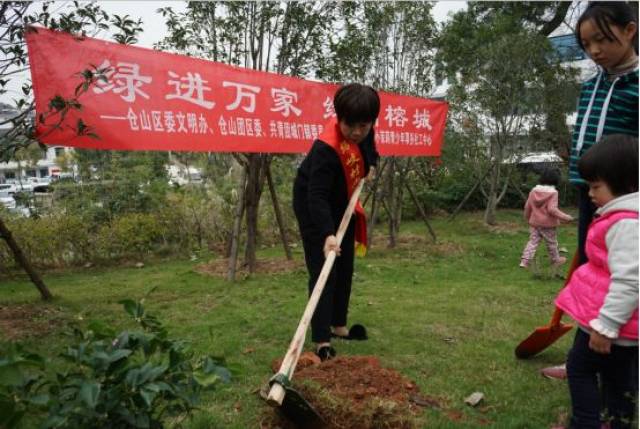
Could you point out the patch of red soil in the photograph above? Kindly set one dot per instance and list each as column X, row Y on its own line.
column 305, row 360
column 355, row 392
column 220, row 267
column 359, row 377
column 19, row 321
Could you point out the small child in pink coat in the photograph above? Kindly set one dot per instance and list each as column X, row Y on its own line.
column 543, row 215
column 602, row 294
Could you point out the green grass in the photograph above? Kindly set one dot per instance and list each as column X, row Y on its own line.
column 447, row 316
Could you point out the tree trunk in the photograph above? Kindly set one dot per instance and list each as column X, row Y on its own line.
column 392, row 232
column 466, row 197
column 421, row 210
column 276, row 209
column 490, row 210
column 372, row 219
column 256, row 167
column 492, row 196
column 235, row 234
column 397, row 201
column 24, row 262
column 396, row 191
column 374, row 195
column 389, row 203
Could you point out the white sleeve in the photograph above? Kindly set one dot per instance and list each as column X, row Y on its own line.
column 622, row 299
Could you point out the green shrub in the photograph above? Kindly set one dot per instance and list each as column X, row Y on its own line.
column 135, row 379
column 53, row 240
column 129, row 234
column 194, row 218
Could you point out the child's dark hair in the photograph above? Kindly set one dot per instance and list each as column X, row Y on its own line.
column 605, row 14
column 356, row 103
column 549, row 176
column 614, row 160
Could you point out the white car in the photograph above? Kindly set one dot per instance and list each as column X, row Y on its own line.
column 34, row 181
column 23, row 186
column 7, row 200
column 9, row 188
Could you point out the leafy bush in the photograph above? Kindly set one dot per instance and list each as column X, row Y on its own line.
column 135, row 379
column 194, row 217
column 131, row 233
column 52, row 240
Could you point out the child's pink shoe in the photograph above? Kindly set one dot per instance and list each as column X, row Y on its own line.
column 558, row 372
column 561, row 260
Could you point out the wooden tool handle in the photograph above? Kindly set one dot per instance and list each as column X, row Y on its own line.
column 557, row 314
column 288, row 366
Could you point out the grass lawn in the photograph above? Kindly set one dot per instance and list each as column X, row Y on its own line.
column 447, row 316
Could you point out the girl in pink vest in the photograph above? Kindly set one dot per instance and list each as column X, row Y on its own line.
column 602, row 295
column 543, row 215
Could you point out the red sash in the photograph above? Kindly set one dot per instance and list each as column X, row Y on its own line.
column 353, row 168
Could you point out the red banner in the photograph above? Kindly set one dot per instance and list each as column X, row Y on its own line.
column 154, row 100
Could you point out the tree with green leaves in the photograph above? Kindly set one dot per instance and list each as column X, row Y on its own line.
column 542, row 17
column 281, row 37
column 16, row 18
column 506, row 85
column 389, row 45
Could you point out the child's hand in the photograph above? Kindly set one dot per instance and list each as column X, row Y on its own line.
column 599, row 343
column 331, row 243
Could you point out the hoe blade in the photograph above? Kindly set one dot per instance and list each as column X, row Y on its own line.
column 297, row 410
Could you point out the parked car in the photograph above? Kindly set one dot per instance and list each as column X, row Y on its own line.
column 41, row 188
column 63, row 176
column 40, row 180
column 24, row 186
column 9, row 188
column 183, row 175
column 7, row 200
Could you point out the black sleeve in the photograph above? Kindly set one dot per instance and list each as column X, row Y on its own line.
column 369, row 152
column 325, row 166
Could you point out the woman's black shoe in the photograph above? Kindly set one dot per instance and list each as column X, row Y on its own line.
column 357, row 332
column 326, row 353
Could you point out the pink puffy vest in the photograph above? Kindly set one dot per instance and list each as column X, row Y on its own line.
column 583, row 297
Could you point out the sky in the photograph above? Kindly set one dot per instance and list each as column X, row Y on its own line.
column 154, row 28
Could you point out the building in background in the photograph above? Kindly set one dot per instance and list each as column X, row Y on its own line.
column 572, row 55
column 46, row 167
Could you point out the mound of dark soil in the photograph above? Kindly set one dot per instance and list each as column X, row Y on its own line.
column 355, row 392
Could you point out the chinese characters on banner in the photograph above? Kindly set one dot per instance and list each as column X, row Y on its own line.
column 153, row 100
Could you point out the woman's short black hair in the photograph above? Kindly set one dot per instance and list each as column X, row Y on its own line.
column 549, row 176
column 356, row 103
column 605, row 14
column 614, row 160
